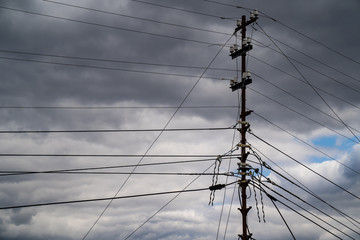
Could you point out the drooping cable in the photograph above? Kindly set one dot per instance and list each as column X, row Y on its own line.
column 300, row 214
column 309, row 145
column 308, row 37
column 112, row 130
column 105, row 26
column 183, row 10
column 303, row 165
column 299, row 99
column 133, row 17
column 301, row 186
column 314, row 89
column 167, row 203
column 159, row 135
column 303, row 81
column 103, row 199
column 303, row 115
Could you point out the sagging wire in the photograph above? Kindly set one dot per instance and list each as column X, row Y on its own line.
column 257, row 177
column 215, row 177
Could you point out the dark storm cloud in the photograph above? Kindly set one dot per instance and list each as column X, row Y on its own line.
column 110, row 83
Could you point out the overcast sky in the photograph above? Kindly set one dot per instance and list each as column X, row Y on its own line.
column 155, row 64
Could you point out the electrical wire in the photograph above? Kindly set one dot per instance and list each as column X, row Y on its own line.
column 106, row 68
column 282, row 217
column 112, row 130
column 113, row 107
column 299, row 99
column 311, row 205
column 106, row 26
column 303, row 187
column 133, row 17
column 272, row 198
column 312, row 69
column 301, row 80
column 111, row 60
column 159, row 135
column 304, row 142
column 167, row 203
column 303, row 115
column 314, row 89
column 183, row 10
column 13, row 172
column 107, row 155
column 314, row 59
column 308, row 37
column 102, row 199
column 124, row 173
column 303, row 165
column 305, row 210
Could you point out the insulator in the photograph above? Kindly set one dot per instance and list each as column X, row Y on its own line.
column 252, row 16
column 244, row 41
column 247, row 74
column 238, row 23
column 256, row 12
column 236, row 47
column 232, row 49
column 248, row 40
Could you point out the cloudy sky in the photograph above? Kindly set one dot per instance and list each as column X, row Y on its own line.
column 90, row 65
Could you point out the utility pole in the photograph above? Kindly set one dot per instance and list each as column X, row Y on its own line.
column 235, row 85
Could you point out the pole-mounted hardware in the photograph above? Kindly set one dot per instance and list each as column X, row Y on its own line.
column 244, row 169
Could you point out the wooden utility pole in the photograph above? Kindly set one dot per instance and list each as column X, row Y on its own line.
column 245, row 80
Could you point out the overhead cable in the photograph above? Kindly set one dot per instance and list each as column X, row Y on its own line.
column 160, row 134
column 184, row 10
column 303, row 115
column 303, row 81
column 303, row 165
column 134, row 17
column 112, row 130
column 304, row 142
column 101, row 199
column 302, row 186
column 105, row 68
column 106, row 26
column 302, row 75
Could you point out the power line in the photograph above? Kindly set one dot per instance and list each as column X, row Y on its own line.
column 133, row 17
column 303, row 81
column 317, row 93
column 303, row 115
column 302, row 186
column 311, row 205
column 102, row 199
column 304, row 142
column 312, row 214
column 9, row 172
column 110, row 60
column 106, row 26
column 108, row 155
column 183, row 10
column 311, row 68
column 121, row 173
column 104, row 68
column 303, row 165
column 155, row 140
column 113, row 130
column 299, row 99
column 310, row 38
column 313, row 58
column 113, row 107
